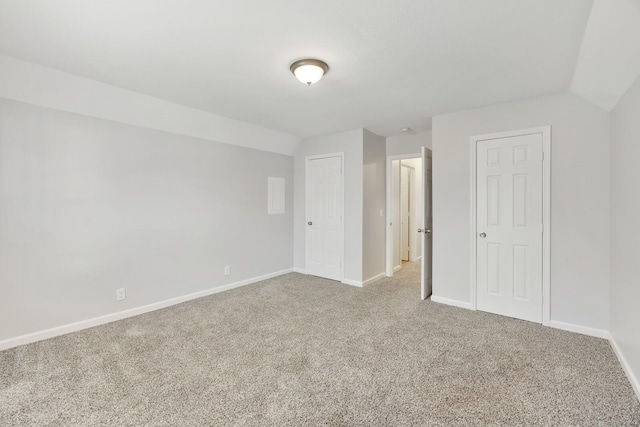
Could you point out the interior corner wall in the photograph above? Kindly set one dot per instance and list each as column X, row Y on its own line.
column 351, row 144
column 579, row 201
column 374, row 202
column 90, row 205
column 625, row 230
column 411, row 143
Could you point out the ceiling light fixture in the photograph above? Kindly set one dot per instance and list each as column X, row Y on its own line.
column 309, row 71
column 406, row 130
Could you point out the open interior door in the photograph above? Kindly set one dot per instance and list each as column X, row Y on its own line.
column 427, row 222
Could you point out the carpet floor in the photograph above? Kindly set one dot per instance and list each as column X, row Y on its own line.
column 298, row 350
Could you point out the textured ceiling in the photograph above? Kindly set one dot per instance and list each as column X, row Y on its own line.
column 393, row 64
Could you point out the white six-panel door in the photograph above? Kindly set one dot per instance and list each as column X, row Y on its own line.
column 509, row 219
column 324, row 210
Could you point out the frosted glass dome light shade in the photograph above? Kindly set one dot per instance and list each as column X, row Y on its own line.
column 309, row 71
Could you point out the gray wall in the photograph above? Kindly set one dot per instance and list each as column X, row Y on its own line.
column 90, row 205
column 349, row 143
column 410, row 143
column 625, row 227
column 579, row 201
column 374, row 202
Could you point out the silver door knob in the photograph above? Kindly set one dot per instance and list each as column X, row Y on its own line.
column 419, row 230
column 310, row 223
column 483, row 235
column 427, row 231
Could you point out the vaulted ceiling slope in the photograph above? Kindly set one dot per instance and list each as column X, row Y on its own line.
column 609, row 59
column 393, row 64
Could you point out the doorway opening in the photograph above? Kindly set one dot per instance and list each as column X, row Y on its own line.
column 409, row 215
column 406, row 203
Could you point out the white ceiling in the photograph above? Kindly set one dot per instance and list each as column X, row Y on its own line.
column 609, row 59
column 394, row 63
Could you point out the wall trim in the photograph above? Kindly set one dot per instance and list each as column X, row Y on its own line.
column 352, row 282
column 112, row 317
column 635, row 383
column 452, row 302
column 579, row 329
column 374, row 279
column 362, row 284
column 299, row 270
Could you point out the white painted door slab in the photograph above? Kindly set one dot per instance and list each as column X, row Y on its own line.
column 509, row 226
column 324, row 208
column 427, row 221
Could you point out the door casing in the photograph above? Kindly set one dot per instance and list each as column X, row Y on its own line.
column 545, row 131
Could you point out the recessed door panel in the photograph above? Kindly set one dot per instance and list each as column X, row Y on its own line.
column 519, row 200
column 493, row 268
column 493, row 156
column 493, row 200
column 520, row 260
column 520, row 154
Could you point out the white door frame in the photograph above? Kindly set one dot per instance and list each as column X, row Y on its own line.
column 306, row 237
column 389, row 233
column 545, row 131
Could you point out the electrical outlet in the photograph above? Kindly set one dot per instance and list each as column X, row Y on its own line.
column 121, row 294
column 227, row 270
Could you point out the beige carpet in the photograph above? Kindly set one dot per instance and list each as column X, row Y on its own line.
column 298, row 350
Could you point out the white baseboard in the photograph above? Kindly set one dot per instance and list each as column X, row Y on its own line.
column 584, row 330
column 453, row 302
column 373, row 279
column 359, row 284
column 396, row 268
column 352, row 282
column 108, row 318
column 299, row 270
column 625, row 367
